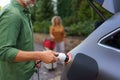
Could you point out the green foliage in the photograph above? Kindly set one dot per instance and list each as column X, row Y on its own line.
column 81, row 29
column 77, row 15
column 42, row 13
column 41, row 27
column 68, row 20
column 84, row 12
column 43, row 10
column 46, row 10
column 64, row 8
column 75, row 5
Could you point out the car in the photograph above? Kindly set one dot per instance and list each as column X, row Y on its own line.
column 98, row 56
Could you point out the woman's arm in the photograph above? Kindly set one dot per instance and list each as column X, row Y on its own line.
column 51, row 33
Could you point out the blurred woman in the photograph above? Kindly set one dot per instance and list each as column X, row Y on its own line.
column 57, row 33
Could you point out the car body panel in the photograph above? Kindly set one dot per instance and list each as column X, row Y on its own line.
column 108, row 58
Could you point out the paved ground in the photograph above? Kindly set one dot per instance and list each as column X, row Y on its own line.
column 44, row 73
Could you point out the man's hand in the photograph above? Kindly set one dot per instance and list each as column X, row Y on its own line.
column 70, row 58
column 48, row 56
column 38, row 63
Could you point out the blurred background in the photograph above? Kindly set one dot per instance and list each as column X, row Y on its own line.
column 78, row 17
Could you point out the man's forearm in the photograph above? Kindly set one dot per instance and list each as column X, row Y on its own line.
column 45, row 56
column 26, row 56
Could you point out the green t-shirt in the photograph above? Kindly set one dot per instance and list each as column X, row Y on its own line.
column 15, row 34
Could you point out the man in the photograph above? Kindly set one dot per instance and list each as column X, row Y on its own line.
column 16, row 43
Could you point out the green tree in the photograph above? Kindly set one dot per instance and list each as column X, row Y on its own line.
column 44, row 10
column 42, row 13
column 64, row 8
column 75, row 4
column 84, row 11
column 81, row 11
column 68, row 10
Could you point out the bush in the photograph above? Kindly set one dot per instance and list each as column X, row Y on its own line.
column 68, row 20
column 81, row 29
column 41, row 27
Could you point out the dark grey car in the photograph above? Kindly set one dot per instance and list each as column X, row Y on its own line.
column 98, row 56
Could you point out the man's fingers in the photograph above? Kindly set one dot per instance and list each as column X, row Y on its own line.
column 49, row 56
column 70, row 58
